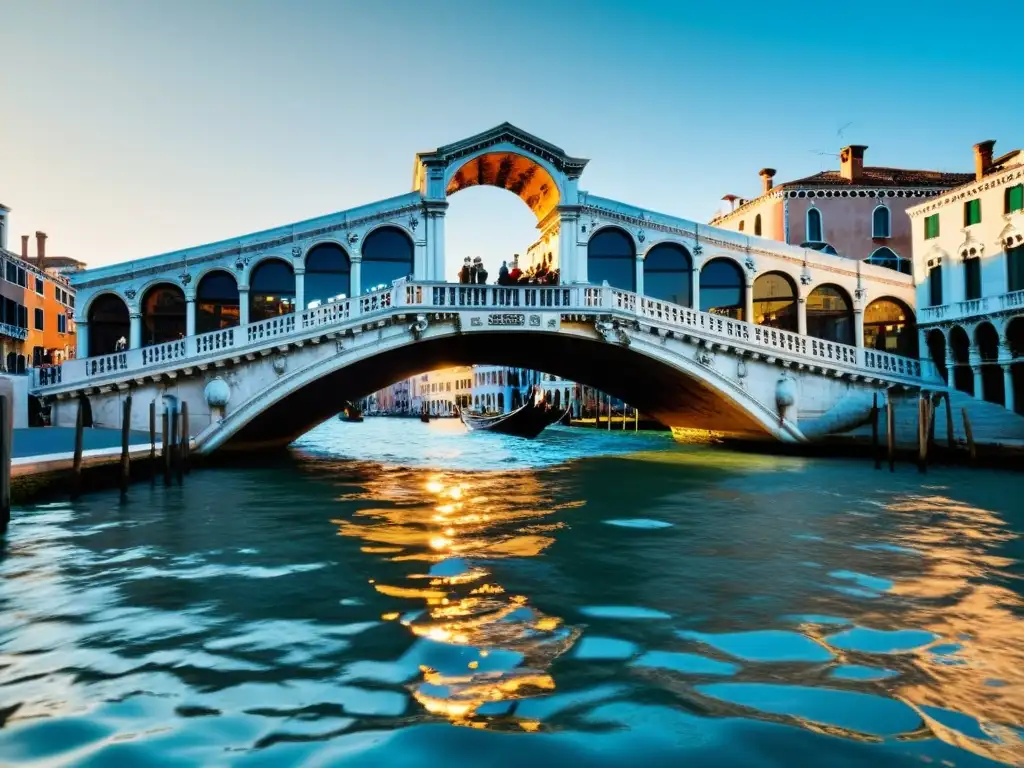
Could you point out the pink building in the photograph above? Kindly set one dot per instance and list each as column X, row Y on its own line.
column 857, row 211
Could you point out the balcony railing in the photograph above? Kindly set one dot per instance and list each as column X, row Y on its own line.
column 421, row 297
column 986, row 305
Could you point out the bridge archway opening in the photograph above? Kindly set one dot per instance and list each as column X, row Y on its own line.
column 217, row 304
column 517, row 172
column 775, row 301
column 960, row 345
column 936, row 341
column 107, row 323
column 668, row 274
column 987, row 339
column 387, row 255
column 830, row 315
column 163, row 314
column 328, row 275
column 611, row 257
column 486, row 222
column 271, row 290
column 721, row 288
column 889, row 326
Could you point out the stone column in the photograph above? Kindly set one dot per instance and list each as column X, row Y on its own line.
column 82, row 339
column 355, row 278
column 950, row 367
column 695, row 286
column 801, row 315
column 439, row 250
column 570, row 269
column 135, row 330
column 190, row 315
column 243, row 305
column 300, row 289
column 858, row 327
column 639, row 275
column 979, row 382
column 748, row 301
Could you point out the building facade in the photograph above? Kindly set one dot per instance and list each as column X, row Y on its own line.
column 856, row 211
column 968, row 247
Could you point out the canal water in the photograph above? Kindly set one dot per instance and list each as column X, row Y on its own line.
column 406, row 594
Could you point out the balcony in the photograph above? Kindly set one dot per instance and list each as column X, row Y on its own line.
column 962, row 310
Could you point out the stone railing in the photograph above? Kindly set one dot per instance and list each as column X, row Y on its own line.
column 986, row 305
column 406, row 297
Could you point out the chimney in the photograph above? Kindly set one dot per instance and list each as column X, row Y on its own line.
column 851, row 162
column 41, row 250
column 983, row 157
column 731, row 199
column 24, row 247
column 767, row 179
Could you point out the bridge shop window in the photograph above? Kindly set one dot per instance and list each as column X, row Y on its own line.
column 611, row 256
column 814, row 228
column 775, row 301
column 830, row 315
column 387, row 256
column 667, row 274
column 217, row 304
column 888, row 258
column 108, row 322
column 271, row 290
column 721, row 288
column 163, row 314
column 889, row 327
column 328, row 274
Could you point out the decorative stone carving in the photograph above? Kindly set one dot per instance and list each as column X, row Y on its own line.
column 705, row 357
column 417, row 328
column 741, row 368
column 185, row 278
column 217, row 393
column 413, row 223
column 640, row 236
column 612, row 332
column 296, row 251
column 750, row 264
column 352, row 238
column 241, row 263
column 280, row 364
column 130, row 294
column 698, row 249
column 805, row 277
column 785, row 394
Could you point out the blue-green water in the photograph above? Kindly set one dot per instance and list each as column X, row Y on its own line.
column 403, row 594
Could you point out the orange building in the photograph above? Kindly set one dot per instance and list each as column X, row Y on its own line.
column 50, row 303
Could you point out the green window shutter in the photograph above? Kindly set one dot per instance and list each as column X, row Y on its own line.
column 1015, row 198
column 931, row 226
column 972, row 212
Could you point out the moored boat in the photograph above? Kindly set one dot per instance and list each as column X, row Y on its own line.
column 529, row 420
column 351, row 413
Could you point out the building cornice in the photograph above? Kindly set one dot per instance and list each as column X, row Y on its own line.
column 968, row 190
column 33, row 269
column 827, row 192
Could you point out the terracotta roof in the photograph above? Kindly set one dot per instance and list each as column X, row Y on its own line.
column 882, row 177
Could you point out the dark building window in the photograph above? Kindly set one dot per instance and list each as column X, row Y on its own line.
column 163, row 314
column 387, row 256
column 327, row 274
column 108, row 322
column 721, row 288
column 39, row 286
column 217, row 304
column 814, row 227
column 886, row 257
column 935, row 285
column 1015, row 268
column 972, row 279
column 881, row 223
column 38, row 318
column 611, row 257
column 667, row 274
column 757, row 224
column 271, row 290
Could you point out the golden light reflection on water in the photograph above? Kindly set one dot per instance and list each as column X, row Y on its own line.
column 452, row 525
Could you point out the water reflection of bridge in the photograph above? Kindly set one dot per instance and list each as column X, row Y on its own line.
column 479, row 647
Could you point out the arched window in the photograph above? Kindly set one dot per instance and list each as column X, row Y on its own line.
column 960, row 346
column 937, row 352
column 987, row 340
column 821, row 247
column 830, row 315
column 108, row 322
column 271, row 290
column 163, row 314
column 667, row 272
column 216, row 301
column 889, row 327
column 775, row 301
column 886, row 257
column 501, row 402
column 742, row 225
column 757, row 224
column 721, row 288
column 327, row 274
column 387, row 256
column 814, row 228
column 881, row 222
column 611, row 256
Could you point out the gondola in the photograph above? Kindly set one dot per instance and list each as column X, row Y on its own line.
column 351, row 413
column 529, row 420
column 424, row 417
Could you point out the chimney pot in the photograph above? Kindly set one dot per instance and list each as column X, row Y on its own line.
column 851, row 162
column 24, row 247
column 41, row 250
column 767, row 179
column 983, row 158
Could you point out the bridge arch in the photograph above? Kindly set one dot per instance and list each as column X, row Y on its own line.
column 890, row 326
column 673, row 387
column 271, row 288
column 668, row 272
column 108, row 321
column 328, row 272
column 531, row 178
column 388, row 253
column 830, row 314
column 611, row 256
column 162, row 306
column 775, row 301
column 722, row 287
column 217, row 300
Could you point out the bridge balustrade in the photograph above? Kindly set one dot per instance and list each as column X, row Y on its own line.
column 441, row 297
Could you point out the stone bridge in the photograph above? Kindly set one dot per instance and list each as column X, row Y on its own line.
column 266, row 334
column 266, row 383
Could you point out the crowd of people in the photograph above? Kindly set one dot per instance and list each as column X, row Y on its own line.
column 474, row 273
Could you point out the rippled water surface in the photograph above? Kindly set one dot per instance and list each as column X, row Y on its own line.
column 403, row 594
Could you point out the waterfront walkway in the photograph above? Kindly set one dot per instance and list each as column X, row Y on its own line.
column 48, row 449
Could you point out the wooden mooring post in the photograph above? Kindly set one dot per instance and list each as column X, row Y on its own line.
column 152, row 441
column 890, row 429
column 165, row 438
column 126, row 423
column 76, row 466
column 186, row 438
column 972, row 449
column 874, row 433
column 922, row 433
column 6, row 447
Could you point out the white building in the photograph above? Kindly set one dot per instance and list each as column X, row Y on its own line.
column 969, row 269
column 440, row 391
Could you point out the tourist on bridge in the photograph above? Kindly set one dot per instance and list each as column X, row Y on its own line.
column 466, row 273
column 479, row 271
column 515, row 274
column 503, row 274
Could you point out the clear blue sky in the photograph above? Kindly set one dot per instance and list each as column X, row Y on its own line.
column 137, row 127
